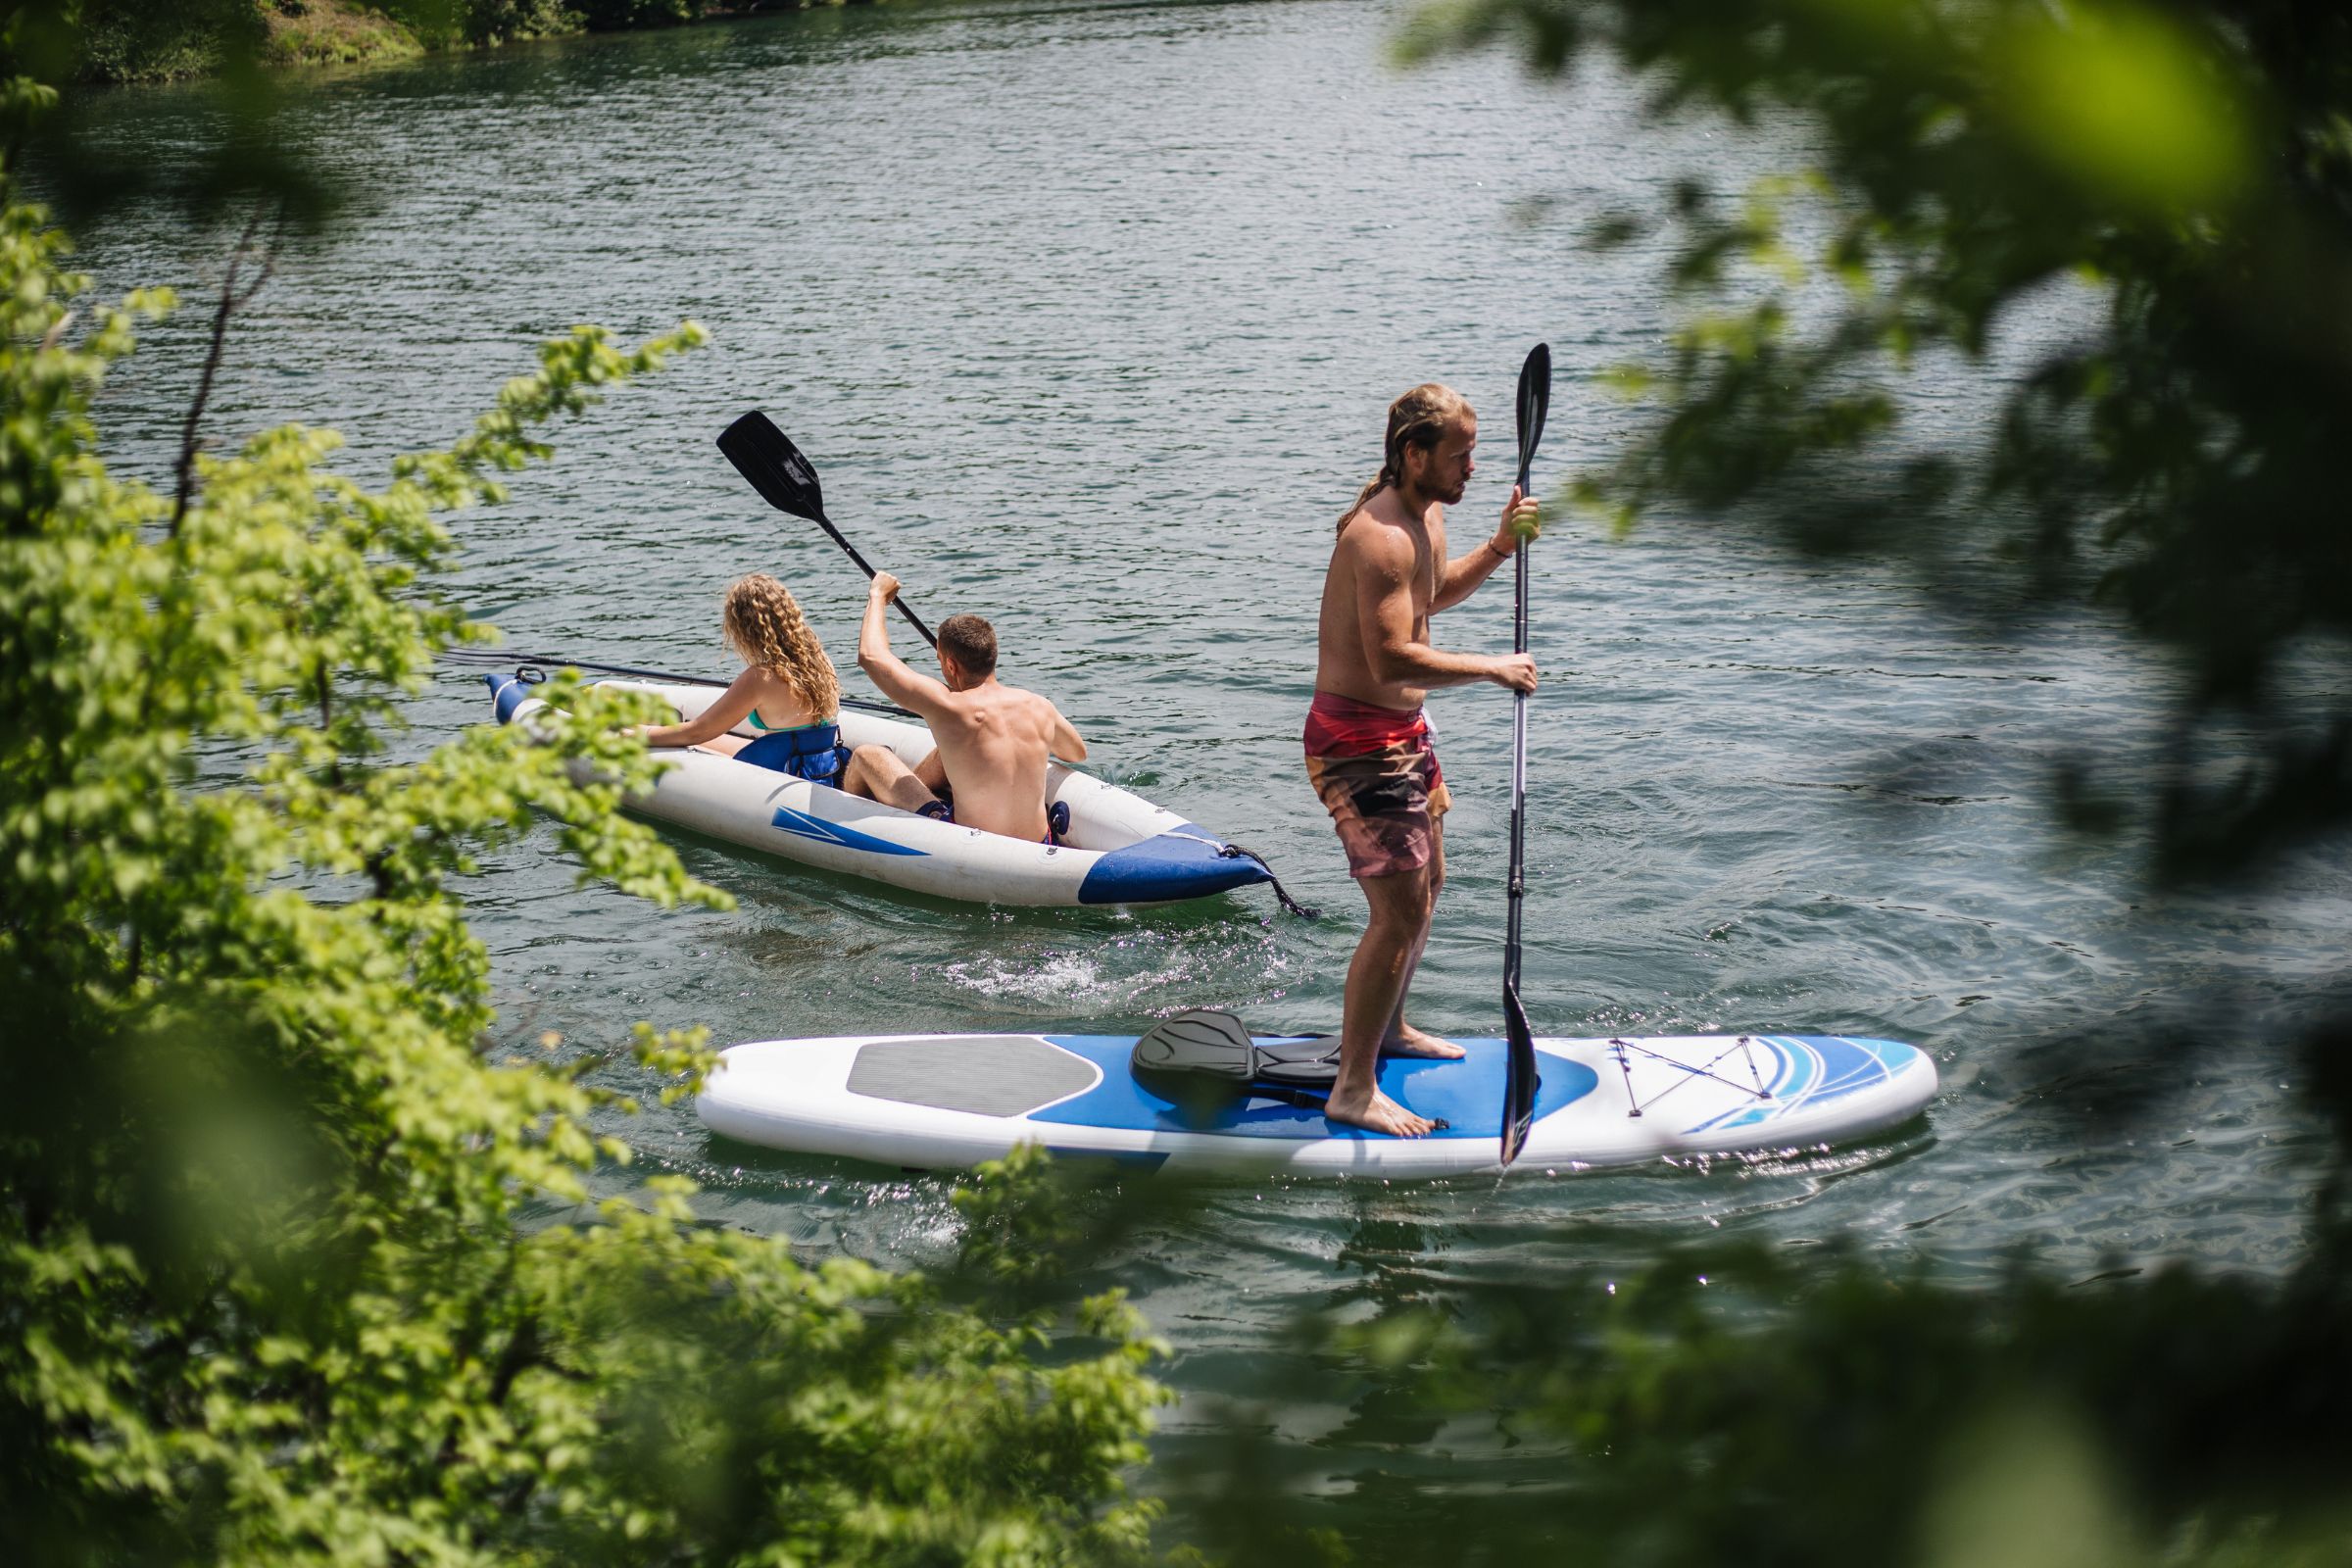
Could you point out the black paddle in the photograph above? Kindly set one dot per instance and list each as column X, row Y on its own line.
column 1519, row 1076
column 499, row 658
column 766, row 455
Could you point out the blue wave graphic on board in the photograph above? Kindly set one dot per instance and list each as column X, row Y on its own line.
column 803, row 825
column 1817, row 1067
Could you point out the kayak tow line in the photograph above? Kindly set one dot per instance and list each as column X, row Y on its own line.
column 1233, row 852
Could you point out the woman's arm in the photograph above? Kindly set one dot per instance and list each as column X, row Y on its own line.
column 733, row 706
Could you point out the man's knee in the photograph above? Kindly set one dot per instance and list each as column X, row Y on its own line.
column 1403, row 899
column 861, row 773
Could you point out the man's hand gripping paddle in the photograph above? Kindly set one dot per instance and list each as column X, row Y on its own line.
column 1519, row 1077
column 766, row 455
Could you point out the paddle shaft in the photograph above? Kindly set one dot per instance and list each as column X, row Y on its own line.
column 1518, row 779
column 850, row 550
column 1517, row 886
column 1520, row 1079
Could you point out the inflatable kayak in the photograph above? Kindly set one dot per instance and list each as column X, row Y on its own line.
column 953, row 1101
column 1119, row 848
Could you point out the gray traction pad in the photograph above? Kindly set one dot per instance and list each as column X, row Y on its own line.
column 988, row 1075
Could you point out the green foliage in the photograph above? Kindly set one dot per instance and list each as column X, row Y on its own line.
column 1741, row 1405
column 457, row 24
column 265, row 1295
column 2191, row 158
column 158, row 40
column 328, row 32
column 618, row 13
column 148, row 40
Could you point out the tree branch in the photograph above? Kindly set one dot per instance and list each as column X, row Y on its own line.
column 232, row 301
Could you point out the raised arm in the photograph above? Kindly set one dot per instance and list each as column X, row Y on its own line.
column 1067, row 744
column 1521, row 521
column 890, row 673
column 1384, row 614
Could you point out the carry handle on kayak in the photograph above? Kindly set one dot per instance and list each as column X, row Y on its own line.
column 766, row 455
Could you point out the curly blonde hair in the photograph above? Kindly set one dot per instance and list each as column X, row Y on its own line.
column 763, row 623
column 1416, row 420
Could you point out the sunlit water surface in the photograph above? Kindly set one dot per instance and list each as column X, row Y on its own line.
column 1088, row 315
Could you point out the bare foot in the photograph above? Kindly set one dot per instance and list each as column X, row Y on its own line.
column 1376, row 1112
column 1408, row 1041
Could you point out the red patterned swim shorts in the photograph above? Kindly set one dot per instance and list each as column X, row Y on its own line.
column 1377, row 777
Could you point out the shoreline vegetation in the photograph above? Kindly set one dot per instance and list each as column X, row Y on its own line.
column 125, row 42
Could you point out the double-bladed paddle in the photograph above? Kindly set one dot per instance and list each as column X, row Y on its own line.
column 499, row 658
column 1519, row 1075
column 766, row 455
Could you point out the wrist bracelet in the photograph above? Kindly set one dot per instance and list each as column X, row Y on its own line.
column 1499, row 554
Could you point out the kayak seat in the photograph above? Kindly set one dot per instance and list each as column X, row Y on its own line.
column 1203, row 1061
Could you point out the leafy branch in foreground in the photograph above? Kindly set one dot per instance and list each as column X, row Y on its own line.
column 266, row 1296
column 1741, row 1403
column 2186, row 166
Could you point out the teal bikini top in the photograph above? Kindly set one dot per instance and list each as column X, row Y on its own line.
column 766, row 728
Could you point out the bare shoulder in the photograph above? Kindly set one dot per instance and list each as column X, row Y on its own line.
column 1376, row 546
column 774, row 689
column 956, row 704
column 1040, row 707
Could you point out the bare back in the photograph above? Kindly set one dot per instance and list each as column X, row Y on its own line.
column 1384, row 574
column 993, row 744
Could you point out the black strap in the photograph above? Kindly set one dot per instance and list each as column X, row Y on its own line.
column 1232, row 851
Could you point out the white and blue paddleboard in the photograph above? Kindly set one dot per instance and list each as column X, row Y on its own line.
column 953, row 1101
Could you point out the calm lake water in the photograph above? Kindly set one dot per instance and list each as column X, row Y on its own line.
column 1088, row 315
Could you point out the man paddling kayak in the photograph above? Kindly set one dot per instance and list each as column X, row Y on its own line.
column 1368, row 751
column 993, row 740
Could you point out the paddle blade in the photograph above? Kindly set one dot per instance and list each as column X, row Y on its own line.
column 1534, row 399
column 766, row 455
column 1519, row 1076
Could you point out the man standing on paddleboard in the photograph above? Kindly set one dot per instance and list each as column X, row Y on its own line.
column 1368, row 751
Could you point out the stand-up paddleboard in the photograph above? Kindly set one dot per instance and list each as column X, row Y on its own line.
column 1119, row 848
column 953, row 1101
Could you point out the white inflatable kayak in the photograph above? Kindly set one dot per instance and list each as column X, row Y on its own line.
column 953, row 1101
column 1120, row 848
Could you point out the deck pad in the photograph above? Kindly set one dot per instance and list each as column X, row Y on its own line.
column 986, row 1075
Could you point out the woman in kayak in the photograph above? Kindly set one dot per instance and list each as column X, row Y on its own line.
column 788, row 690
